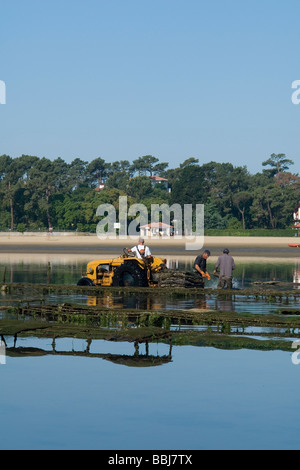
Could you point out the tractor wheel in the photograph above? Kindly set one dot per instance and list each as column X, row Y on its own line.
column 85, row 281
column 129, row 275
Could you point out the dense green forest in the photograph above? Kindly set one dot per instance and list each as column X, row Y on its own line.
column 42, row 194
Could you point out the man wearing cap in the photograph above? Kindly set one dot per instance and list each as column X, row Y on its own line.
column 200, row 265
column 226, row 265
column 141, row 251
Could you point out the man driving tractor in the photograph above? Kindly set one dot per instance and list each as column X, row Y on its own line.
column 140, row 250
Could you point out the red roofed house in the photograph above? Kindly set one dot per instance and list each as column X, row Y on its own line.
column 100, row 187
column 158, row 180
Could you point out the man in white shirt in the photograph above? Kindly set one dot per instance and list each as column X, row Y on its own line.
column 141, row 251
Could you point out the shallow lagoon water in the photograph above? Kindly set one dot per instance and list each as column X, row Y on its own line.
column 201, row 398
column 67, row 271
column 204, row 399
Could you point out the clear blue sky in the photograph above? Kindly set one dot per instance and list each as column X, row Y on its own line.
column 120, row 79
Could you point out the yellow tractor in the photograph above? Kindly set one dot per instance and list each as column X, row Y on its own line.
column 124, row 271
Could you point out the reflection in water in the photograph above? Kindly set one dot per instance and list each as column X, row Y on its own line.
column 150, row 301
column 156, row 302
column 296, row 279
column 137, row 359
column 142, row 339
column 136, row 301
column 225, row 305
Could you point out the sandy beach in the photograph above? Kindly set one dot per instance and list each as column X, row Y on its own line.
column 91, row 245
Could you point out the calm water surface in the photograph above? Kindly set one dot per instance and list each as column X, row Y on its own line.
column 204, row 399
column 200, row 398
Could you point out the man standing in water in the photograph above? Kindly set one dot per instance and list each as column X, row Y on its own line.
column 226, row 265
column 200, row 265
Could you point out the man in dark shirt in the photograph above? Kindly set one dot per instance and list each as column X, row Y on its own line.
column 226, row 265
column 200, row 265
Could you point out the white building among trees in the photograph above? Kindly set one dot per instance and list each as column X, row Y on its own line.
column 156, row 229
column 297, row 215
